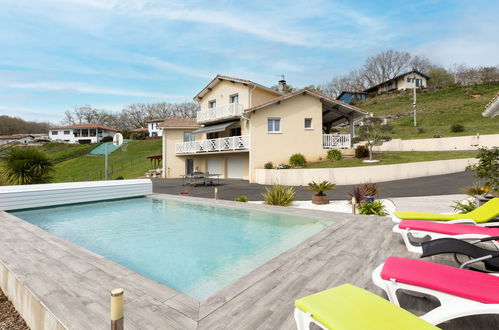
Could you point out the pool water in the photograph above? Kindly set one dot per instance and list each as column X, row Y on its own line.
column 195, row 249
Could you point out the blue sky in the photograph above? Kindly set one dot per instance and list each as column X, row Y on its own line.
column 58, row 54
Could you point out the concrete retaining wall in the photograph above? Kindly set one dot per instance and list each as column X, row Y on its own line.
column 28, row 196
column 441, row 144
column 356, row 175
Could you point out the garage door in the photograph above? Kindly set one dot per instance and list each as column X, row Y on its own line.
column 235, row 167
column 215, row 165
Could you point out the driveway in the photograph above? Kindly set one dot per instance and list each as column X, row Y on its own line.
column 229, row 189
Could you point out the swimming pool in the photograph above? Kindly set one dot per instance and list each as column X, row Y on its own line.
column 193, row 248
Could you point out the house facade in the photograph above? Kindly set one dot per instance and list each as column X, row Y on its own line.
column 242, row 125
column 81, row 133
column 152, row 127
column 349, row 97
column 407, row 80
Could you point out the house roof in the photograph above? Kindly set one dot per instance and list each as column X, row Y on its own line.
column 306, row 91
column 492, row 108
column 350, row 92
column 85, row 126
column 219, row 78
column 177, row 122
column 370, row 89
column 155, row 121
column 15, row 136
column 142, row 129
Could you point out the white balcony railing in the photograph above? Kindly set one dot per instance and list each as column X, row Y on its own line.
column 336, row 141
column 221, row 144
column 221, row 112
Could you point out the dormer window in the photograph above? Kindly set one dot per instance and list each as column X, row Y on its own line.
column 234, row 98
column 212, row 104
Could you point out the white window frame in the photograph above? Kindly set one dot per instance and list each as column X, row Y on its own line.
column 273, row 125
column 311, row 124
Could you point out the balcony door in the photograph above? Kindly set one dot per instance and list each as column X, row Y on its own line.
column 234, row 98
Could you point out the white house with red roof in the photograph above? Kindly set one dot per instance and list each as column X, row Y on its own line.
column 152, row 127
column 80, row 133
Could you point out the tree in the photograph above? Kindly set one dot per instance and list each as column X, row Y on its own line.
column 14, row 125
column 385, row 65
column 421, row 64
column 26, row 166
column 440, row 78
column 372, row 133
column 487, row 167
column 287, row 88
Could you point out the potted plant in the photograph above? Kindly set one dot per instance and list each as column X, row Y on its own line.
column 320, row 198
column 370, row 190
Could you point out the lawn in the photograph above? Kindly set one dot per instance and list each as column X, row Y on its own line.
column 129, row 164
column 387, row 158
column 436, row 112
column 59, row 152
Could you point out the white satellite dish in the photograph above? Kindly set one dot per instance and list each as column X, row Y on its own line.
column 118, row 139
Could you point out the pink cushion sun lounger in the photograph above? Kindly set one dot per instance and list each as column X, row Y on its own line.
column 448, row 229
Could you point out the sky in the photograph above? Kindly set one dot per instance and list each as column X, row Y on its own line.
column 58, row 54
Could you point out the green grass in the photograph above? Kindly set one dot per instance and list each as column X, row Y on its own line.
column 59, row 152
column 129, row 164
column 436, row 111
column 387, row 158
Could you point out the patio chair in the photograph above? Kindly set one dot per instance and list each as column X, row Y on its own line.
column 479, row 216
column 461, row 292
column 415, row 232
column 487, row 258
column 350, row 307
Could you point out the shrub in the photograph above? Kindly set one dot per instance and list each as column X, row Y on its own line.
column 438, row 136
column 133, row 136
column 487, row 167
column 334, row 154
column 26, row 166
column 361, row 152
column 464, row 206
column 279, row 195
column 120, row 178
column 297, row 160
column 242, row 199
column 359, row 194
column 282, row 166
column 107, row 139
column 386, row 128
column 421, row 130
column 320, row 187
column 473, row 190
column 268, row 166
column 376, row 208
column 370, row 189
column 456, row 128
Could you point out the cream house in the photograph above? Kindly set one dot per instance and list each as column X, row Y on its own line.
column 241, row 125
column 401, row 82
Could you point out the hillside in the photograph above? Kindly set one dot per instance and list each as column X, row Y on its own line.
column 436, row 111
column 130, row 164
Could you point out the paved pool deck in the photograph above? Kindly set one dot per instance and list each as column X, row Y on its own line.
column 74, row 283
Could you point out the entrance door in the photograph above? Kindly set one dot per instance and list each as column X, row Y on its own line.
column 215, row 165
column 189, row 166
column 235, row 167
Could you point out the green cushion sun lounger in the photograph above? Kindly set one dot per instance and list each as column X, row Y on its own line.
column 350, row 307
column 484, row 213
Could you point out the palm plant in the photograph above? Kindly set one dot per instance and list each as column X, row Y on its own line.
column 25, row 166
column 320, row 187
column 370, row 189
column 279, row 195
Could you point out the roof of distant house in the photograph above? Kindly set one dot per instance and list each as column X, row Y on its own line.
column 492, row 108
column 15, row 136
column 219, row 78
column 155, row 121
column 350, row 92
column 142, row 129
column 370, row 89
column 86, row 126
column 306, row 91
column 177, row 122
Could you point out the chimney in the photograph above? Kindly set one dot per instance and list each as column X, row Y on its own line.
column 282, row 85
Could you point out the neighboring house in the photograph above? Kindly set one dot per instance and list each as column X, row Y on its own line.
column 141, row 130
column 351, row 97
column 404, row 81
column 80, row 133
column 492, row 109
column 152, row 127
column 19, row 138
column 241, row 125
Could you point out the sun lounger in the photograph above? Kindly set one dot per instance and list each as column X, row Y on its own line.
column 414, row 232
column 476, row 254
column 461, row 292
column 480, row 216
column 350, row 307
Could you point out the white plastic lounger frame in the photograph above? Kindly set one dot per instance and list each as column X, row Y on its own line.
column 303, row 320
column 417, row 233
column 451, row 306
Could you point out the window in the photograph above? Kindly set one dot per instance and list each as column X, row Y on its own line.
column 154, row 134
column 274, row 125
column 210, row 136
column 236, row 131
column 67, row 132
column 212, row 104
column 188, row 137
column 308, row 123
column 234, row 98
column 408, row 80
column 54, row 132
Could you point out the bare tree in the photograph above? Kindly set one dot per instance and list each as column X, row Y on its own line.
column 385, row 65
column 421, row 64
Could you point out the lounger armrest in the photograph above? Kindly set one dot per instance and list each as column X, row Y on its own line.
column 462, row 221
column 472, row 261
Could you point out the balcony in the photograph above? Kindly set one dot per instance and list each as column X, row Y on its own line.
column 336, row 141
column 232, row 143
column 228, row 111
